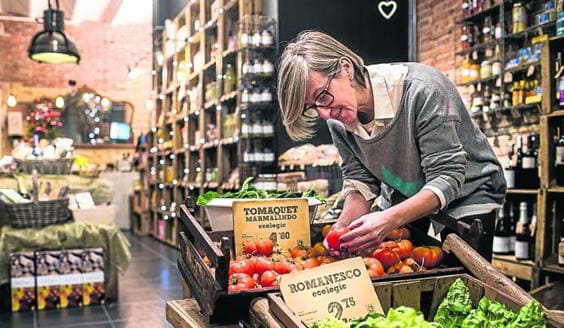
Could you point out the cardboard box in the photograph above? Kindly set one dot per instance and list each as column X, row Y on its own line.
column 92, row 268
column 22, row 281
column 70, row 278
column 48, row 279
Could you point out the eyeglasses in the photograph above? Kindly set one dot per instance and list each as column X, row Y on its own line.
column 323, row 99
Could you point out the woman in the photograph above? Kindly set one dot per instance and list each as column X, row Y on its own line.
column 403, row 133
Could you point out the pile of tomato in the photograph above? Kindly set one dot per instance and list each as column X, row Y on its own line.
column 262, row 262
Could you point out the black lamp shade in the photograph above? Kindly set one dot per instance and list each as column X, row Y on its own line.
column 52, row 45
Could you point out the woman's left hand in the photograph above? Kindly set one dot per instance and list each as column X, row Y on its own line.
column 368, row 231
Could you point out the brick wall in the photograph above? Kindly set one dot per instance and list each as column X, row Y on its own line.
column 105, row 51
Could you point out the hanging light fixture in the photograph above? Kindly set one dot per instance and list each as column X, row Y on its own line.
column 52, row 45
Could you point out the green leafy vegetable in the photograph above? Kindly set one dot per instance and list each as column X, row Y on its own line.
column 331, row 322
column 456, row 306
column 489, row 314
column 249, row 191
column 529, row 316
column 206, row 198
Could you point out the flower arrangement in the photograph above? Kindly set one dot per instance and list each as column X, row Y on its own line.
column 44, row 119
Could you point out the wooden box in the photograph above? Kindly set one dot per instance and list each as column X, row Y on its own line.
column 424, row 294
column 209, row 282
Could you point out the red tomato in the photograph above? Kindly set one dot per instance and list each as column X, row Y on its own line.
column 263, row 264
column 374, row 267
column 386, row 256
column 268, row 279
column 240, row 281
column 241, row 266
column 249, row 247
column 311, row 262
column 427, row 256
column 318, row 250
column 334, row 237
column 400, row 233
column 298, row 251
column 405, row 247
column 283, row 267
column 265, row 247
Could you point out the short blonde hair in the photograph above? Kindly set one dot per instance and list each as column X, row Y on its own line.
column 314, row 51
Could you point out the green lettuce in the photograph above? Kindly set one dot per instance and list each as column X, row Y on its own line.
column 529, row 316
column 489, row 314
column 456, row 306
column 331, row 322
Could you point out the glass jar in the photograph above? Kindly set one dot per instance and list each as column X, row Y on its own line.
column 485, row 69
column 266, row 38
column 519, row 15
column 266, row 95
column 496, row 68
column 245, row 96
column 267, row 67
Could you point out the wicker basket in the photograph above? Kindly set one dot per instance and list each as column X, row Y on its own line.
column 38, row 214
column 45, row 166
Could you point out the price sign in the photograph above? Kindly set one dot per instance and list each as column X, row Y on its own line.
column 284, row 221
column 341, row 289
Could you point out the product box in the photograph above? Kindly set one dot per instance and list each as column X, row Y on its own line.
column 70, row 278
column 22, row 281
column 48, row 279
column 92, row 268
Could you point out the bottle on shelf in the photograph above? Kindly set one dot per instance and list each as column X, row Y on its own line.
column 519, row 15
column 509, row 170
column 464, row 38
column 522, row 234
column 229, row 80
column 487, row 30
column 477, row 100
column 267, row 40
column 529, row 173
column 559, row 157
column 512, row 224
column 501, row 234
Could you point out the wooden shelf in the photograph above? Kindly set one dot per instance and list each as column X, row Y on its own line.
column 477, row 47
column 556, row 113
column 522, row 67
column 523, row 191
column 530, row 30
column 479, row 81
column 510, row 266
column 556, row 189
column 554, row 268
column 481, row 15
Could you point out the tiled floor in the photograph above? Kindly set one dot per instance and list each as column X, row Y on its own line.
column 151, row 279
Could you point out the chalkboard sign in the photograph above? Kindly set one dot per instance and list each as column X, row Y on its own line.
column 378, row 31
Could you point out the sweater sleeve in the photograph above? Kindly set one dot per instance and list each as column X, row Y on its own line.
column 356, row 176
column 443, row 159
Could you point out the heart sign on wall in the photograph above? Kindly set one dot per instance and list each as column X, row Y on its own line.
column 387, row 8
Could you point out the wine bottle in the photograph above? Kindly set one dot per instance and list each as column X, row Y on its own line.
column 559, row 158
column 511, row 227
column 518, row 163
column 523, row 237
column 501, row 235
column 509, row 170
column 529, row 174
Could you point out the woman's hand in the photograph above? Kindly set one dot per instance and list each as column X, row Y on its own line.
column 368, row 231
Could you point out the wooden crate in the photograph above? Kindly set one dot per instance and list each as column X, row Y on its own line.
column 425, row 294
column 209, row 285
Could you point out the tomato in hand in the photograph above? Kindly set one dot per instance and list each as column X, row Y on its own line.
column 240, row 281
column 241, row 266
column 374, row 267
column 427, row 256
column 386, row 256
column 249, row 247
column 265, row 247
column 268, row 279
column 334, row 237
column 263, row 264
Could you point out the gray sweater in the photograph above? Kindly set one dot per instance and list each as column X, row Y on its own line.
column 431, row 142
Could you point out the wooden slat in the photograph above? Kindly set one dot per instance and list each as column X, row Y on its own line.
column 547, row 72
column 184, row 314
column 407, row 294
column 261, row 312
column 441, row 289
column 282, row 312
column 384, row 292
column 517, row 270
column 476, row 289
column 199, row 236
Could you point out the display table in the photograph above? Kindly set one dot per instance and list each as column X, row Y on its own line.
column 68, row 236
